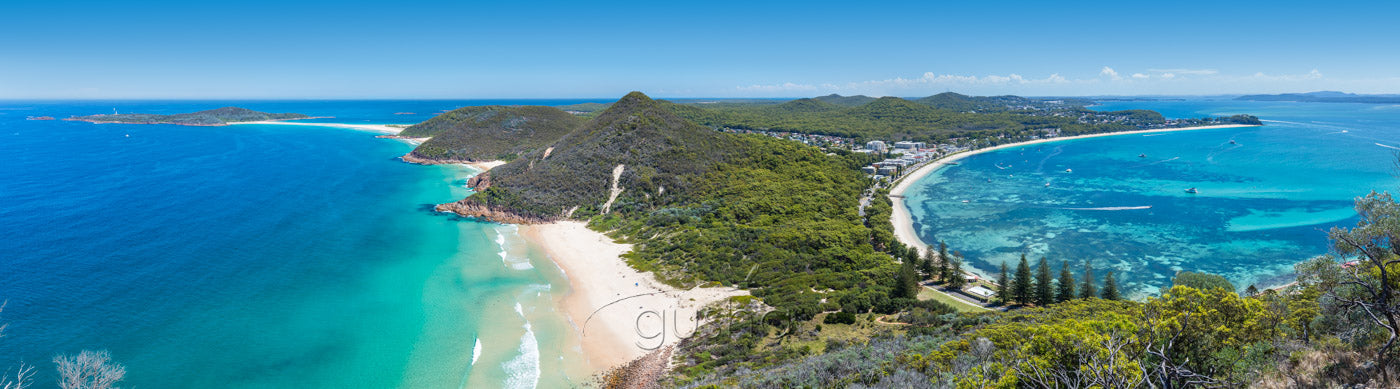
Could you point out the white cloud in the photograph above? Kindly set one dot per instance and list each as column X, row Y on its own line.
column 1110, row 73
column 784, row 87
column 1189, row 72
column 1106, row 81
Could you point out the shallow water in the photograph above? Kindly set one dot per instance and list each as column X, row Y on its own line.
column 1264, row 201
column 263, row 256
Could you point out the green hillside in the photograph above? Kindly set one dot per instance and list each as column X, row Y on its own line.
column 490, row 132
column 930, row 119
column 845, row 101
column 702, row 206
column 807, row 105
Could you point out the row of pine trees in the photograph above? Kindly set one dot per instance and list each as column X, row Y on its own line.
column 1021, row 289
column 1044, row 290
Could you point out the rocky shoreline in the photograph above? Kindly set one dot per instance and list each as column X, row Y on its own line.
column 494, row 214
column 411, row 158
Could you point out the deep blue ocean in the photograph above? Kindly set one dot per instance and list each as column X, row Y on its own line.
column 263, row 256
column 1266, row 195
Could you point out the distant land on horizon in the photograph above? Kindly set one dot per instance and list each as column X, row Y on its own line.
column 213, row 117
column 1326, row 97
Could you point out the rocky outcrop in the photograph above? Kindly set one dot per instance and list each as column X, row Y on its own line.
column 470, row 209
column 480, row 182
column 413, row 158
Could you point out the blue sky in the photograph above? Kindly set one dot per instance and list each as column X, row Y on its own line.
column 502, row 49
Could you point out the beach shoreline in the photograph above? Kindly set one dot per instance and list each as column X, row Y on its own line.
column 904, row 221
column 609, row 303
column 375, row 128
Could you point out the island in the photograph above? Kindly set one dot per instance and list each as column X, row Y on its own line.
column 214, row 117
column 1325, row 97
column 39, row 118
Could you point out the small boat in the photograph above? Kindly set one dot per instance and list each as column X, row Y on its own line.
column 1191, row 190
column 965, row 201
column 1232, row 141
column 1047, row 185
column 1069, row 170
column 1142, row 155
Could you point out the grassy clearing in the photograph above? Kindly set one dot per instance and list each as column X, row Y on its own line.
column 962, row 306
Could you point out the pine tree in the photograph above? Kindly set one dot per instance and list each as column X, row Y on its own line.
column 1087, row 289
column 908, row 282
column 1044, row 288
column 1021, row 285
column 955, row 269
column 926, row 266
column 1251, row 291
column 942, row 261
column 1110, row 287
column 1066, row 284
column 1003, row 286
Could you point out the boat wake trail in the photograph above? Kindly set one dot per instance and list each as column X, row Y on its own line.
column 1162, row 161
column 1211, row 158
column 1041, row 167
column 1109, row 208
column 1387, row 146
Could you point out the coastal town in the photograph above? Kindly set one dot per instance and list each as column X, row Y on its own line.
column 902, row 158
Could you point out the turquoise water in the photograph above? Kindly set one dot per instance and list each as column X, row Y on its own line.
column 263, row 256
column 1264, row 201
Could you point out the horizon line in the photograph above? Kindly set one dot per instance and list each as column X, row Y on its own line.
column 600, row 98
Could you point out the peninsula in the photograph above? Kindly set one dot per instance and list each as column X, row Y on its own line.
column 783, row 222
column 214, row 117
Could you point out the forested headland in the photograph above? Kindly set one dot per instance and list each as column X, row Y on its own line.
column 488, row 133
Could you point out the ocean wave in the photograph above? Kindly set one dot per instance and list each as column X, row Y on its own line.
column 476, row 351
column 524, row 370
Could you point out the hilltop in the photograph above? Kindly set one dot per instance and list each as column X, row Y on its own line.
column 651, row 151
column 845, row 101
column 213, row 117
column 486, row 133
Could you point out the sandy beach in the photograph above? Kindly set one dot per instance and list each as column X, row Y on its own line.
column 904, row 222
column 484, row 165
column 612, row 305
column 376, row 128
